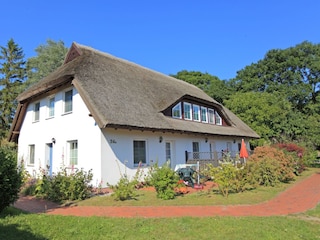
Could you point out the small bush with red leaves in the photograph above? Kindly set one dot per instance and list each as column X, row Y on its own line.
column 298, row 154
column 291, row 147
column 282, row 169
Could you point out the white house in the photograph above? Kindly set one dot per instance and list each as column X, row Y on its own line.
column 103, row 113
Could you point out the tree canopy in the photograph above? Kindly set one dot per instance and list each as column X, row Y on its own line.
column 212, row 85
column 278, row 96
column 50, row 56
column 12, row 76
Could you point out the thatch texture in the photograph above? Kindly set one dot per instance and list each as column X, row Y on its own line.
column 121, row 94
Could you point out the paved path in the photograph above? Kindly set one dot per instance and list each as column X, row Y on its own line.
column 299, row 198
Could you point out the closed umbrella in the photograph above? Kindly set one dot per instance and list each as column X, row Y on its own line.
column 243, row 151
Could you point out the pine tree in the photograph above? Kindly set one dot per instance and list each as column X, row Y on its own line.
column 12, row 76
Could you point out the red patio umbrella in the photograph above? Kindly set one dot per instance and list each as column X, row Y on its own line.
column 243, row 151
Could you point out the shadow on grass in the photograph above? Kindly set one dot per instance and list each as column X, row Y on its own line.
column 15, row 231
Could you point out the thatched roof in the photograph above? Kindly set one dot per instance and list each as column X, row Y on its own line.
column 122, row 94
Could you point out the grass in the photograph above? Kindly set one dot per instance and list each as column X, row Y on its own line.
column 16, row 225
column 149, row 198
column 40, row 226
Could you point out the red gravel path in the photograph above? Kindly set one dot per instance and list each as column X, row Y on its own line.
column 299, row 198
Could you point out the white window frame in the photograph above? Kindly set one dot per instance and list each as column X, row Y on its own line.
column 31, row 154
column 68, row 103
column 187, row 110
column 36, row 112
column 73, row 150
column 204, row 114
column 136, row 161
column 218, row 119
column 211, row 116
column 51, row 106
column 196, row 112
column 176, row 111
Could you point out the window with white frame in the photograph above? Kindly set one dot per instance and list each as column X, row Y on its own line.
column 196, row 112
column 68, row 101
column 187, row 111
column 204, row 114
column 176, row 111
column 211, row 116
column 51, row 102
column 36, row 112
column 218, row 118
column 31, row 149
column 139, row 152
column 73, row 152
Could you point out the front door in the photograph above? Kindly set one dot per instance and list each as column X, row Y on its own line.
column 49, row 158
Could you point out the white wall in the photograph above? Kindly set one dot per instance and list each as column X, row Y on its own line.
column 117, row 150
column 77, row 125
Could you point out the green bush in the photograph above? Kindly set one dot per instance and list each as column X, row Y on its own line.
column 10, row 177
column 283, row 164
column 125, row 189
column 224, row 176
column 65, row 187
column 266, row 172
column 165, row 180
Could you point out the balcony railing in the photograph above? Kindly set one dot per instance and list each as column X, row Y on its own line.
column 214, row 158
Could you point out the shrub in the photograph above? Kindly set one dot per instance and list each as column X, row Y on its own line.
column 165, row 180
column 10, row 177
column 266, row 172
column 65, row 187
column 285, row 163
column 125, row 189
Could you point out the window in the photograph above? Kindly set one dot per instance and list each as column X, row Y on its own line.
column 139, row 152
column 218, row 119
column 211, row 116
column 68, row 101
column 36, row 112
column 176, row 111
column 51, row 107
column 168, row 152
column 196, row 113
column 204, row 114
column 187, row 111
column 31, row 154
column 196, row 150
column 73, row 152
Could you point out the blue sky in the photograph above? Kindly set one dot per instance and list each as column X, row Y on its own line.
column 217, row 37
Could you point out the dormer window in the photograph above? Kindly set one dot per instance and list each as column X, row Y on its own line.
column 211, row 116
column 204, row 114
column 196, row 112
column 176, row 111
column 187, row 111
column 218, row 119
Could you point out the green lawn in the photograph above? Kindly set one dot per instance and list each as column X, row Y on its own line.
column 15, row 225
column 41, row 226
